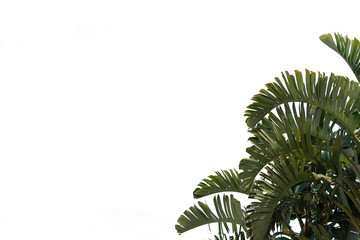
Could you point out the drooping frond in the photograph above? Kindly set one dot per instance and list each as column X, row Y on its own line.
column 228, row 210
column 224, row 181
column 280, row 177
column 347, row 48
column 336, row 95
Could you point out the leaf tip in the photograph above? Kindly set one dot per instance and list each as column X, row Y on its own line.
column 329, row 41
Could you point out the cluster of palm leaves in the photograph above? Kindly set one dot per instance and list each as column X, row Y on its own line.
column 303, row 171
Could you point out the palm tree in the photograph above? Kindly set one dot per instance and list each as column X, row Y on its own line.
column 303, row 165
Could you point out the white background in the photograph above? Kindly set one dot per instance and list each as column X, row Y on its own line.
column 111, row 112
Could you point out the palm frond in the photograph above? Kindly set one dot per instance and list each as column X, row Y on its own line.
column 224, row 181
column 347, row 48
column 228, row 210
column 280, row 177
column 336, row 95
column 280, row 138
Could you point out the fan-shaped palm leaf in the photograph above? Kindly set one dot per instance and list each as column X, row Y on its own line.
column 228, row 210
column 224, row 181
column 303, row 139
column 275, row 185
column 336, row 95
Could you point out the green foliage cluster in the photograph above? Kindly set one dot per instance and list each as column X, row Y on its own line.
column 303, row 165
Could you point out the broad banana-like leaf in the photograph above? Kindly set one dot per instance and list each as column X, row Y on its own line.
column 224, row 181
column 347, row 48
column 228, row 210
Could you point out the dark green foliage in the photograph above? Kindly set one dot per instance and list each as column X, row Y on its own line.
column 303, row 163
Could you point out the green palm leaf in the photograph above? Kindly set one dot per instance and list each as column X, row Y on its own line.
column 285, row 136
column 224, row 181
column 336, row 95
column 228, row 210
column 272, row 188
column 347, row 48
